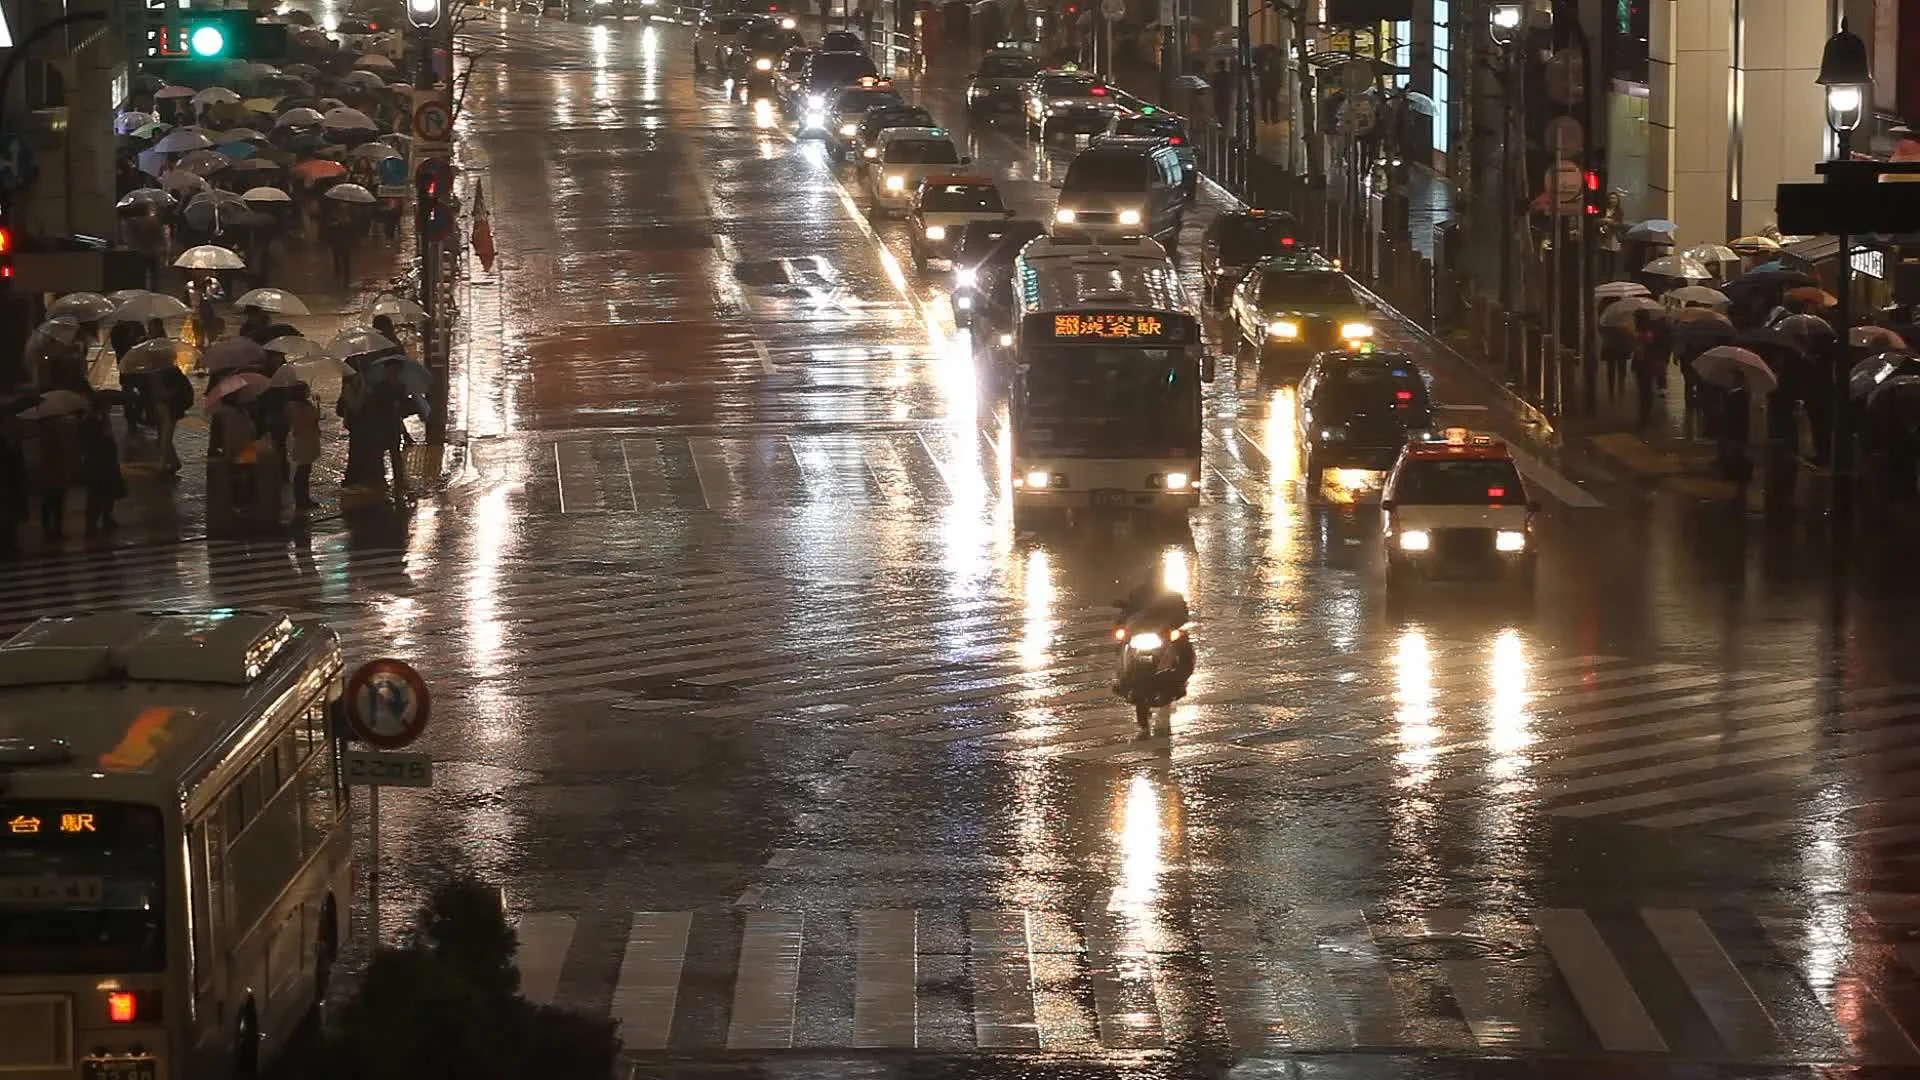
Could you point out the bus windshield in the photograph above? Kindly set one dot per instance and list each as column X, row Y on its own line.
column 1101, row 401
column 82, row 888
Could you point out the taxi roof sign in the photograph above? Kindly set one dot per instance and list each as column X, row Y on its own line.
column 960, row 179
column 1459, row 442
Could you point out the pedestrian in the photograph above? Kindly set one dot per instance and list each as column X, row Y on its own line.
column 253, row 320
column 100, row 466
column 363, row 453
column 384, row 415
column 172, row 395
column 1272, row 74
column 1222, row 83
column 303, row 444
column 58, row 461
column 237, row 443
column 1649, row 366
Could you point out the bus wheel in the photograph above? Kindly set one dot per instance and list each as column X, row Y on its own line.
column 246, row 1044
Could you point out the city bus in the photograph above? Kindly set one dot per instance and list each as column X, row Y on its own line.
column 1107, row 367
column 174, row 852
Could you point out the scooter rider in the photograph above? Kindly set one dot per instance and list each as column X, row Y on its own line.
column 1153, row 606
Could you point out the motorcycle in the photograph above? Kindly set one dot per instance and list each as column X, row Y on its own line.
column 1155, row 663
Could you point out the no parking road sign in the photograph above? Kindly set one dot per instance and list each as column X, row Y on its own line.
column 387, row 703
column 432, row 121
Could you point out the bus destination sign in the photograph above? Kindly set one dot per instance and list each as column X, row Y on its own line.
column 1114, row 326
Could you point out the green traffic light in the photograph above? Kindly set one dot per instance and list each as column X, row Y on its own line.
column 207, row 41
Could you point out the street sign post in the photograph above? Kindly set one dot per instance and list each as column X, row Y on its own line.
column 388, row 768
column 387, row 706
column 432, row 125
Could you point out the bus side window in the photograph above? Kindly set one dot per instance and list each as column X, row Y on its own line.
column 319, row 810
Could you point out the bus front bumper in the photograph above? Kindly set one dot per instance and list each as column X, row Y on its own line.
column 1169, row 486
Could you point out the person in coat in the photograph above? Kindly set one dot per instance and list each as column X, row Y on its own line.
column 172, row 395
column 303, row 444
column 58, row 463
column 100, row 470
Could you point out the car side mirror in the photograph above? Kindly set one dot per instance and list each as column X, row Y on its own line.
column 1386, row 504
column 1209, row 367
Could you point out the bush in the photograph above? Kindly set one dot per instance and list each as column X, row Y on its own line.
column 446, row 1006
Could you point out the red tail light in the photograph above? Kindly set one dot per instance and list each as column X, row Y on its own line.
column 122, row 1007
column 1496, row 493
column 1286, row 241
column 1177, row 141
column 1099, row 91
column 1403, row 395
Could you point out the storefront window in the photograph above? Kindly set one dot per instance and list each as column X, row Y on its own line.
column 1442, row 88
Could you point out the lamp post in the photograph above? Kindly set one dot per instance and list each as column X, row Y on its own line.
column 1848, row 79
column 1504, row 21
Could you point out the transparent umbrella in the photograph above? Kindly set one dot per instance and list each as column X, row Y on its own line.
column 1678, row 266
column 84, row 306
column 350, row 193
column 1616, row 289
column 209, row 257
column 278, row 301
column 1699, row 296
column 182, row 141
column 399, row 309
column 160, row 354
column 146, row 306
column 358, row 341
column 1730, row 366
column 294, row 347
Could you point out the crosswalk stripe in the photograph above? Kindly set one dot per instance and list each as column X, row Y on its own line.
column 648, row 984
column 1599, row 986
column 577, row 476
column 1717, row 986
column 1003, row 1010
column 764, row 995
column 545, row 938
column 886, row 979
column 1251, row 1006
column 714, row 471
column 1124, row 1005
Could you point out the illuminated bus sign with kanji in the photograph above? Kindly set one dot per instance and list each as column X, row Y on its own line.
column 1116, row 326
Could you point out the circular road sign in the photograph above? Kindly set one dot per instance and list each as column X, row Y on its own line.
column 387, row 703
column 432, row 121
column 1114, row 9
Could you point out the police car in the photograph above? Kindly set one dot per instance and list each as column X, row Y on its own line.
column 943, row 204
column 1455, row 506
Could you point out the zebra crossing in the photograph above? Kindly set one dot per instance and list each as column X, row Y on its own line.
column 1719, row 984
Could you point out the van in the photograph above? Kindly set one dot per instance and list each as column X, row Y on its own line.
column 1123, row 187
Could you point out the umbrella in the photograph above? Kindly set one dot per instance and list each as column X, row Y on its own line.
column 184, row 180
column 234, row 353
column 151, row 131
column 1712, row 253
column 1806, row 328
column 205, row 161
column 1700, row 296
column 266, row 195
column 288, row 375
column 294, row 347
column 158, row 355
column 129, row 122
column 399, row 309
column 216, row 95
column 1653, row 229
column 237, row 150
column 278, row 301
column 1875, row 337
column 358, row 341
column 298, row 118
column 57, row 403
column 413, row 374
column 243, row 134
column 302, row 71
column 1730, row 366
column 1678, row 266
column 375, row 151
column 318, row 169
column 345, row 119
column 263, row 105
column 398, row 141
column 61, row 328
column 1755, row 245
column 1621, row 313
column 214, row 209
column 328, row 104
column 169, row 93
column 181, row 141
column 84, row 306
column 375, row 60
column 306, row 142
column 144, row 305
column 1700, row 319
column 1779, row 348
column 367, row 79
column 1897, row 389
column 225, row 199
column 1875, row 370
column 255, row 164
column 242, row 386
column 209, row 257
column 141, row 200
column 350, row 193
column 1616, row 289
column 1813, row 294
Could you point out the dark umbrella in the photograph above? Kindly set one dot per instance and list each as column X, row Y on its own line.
column 1773, row 346
column 1869, row 374
column 1808, row 329
column 1896, row 402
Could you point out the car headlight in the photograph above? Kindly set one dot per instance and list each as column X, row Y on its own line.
column 1285, row 329
column 849, row 130
column 1129, row 217
column 1351, row 330
column 1063, row 103
column 936, row 232
column 896, row 183
column 785, row 24
column 1039, row 478
column 763, row 64
column 1145, row 642
column 815, row 120
column 1178, row 481
column 872, row 153
column 1510, row 540
column 1332, row 434
column 814, row 101
column 1415, row 540
column 1006, row 341
column 963, row 303
column 1064, row 215
column 966, row 278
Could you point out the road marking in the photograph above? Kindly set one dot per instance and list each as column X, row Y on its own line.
column 544, row 940
column 711, row 469
column 766, row 358
column 885, row 979
column 1492, row 997
column 1002, row 965
column 649, row 981
column 1563, row 489
column 1601, row 989
column 1722, row 992
column 1123, row 999
column 769, row 977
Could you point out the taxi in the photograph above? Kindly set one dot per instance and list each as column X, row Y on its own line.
column 838, row 122
column 943, row 205
column 1455, row 506
column 1299, row 305
column 903, row 157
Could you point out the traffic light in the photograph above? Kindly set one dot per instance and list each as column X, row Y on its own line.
column 432, row 202
column 1593, row 194
column 215, row 35
column 6, row 257
column 425, row 13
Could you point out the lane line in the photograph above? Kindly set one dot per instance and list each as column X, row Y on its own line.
column 648, row 986
column 1722, row 992
column 1002, row 964
column 766, row 358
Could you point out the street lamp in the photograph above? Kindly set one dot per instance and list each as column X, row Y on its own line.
column 1503, row 22
column 1845, row 73
column 1849, row 81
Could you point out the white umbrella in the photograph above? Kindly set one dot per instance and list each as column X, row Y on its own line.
column 350, row 193
column 85, row 306
column 1621, row 312
column 129, row 122
column 209, row 257
column 399, row 309
column 61, row 328
column 1712, row 253
column 225, row 200
column 205, row 161
column 1653, row 229
column 265, row 195
column 375, row 151
column 1615, row 289
column 1678, row 266
column 216, row 95
column 159, row 354
column 343, row 118
column 1699, row 296
column 369, row 79
column 300, row 117
column 358, row 340
column 1730, row 366
column 380, row 61
column 1754, row 245
column 1876, row 337
column 168, row 93
column 148, row 305
column 183, row 180
column 278, row 301
column 57, row 403
column 293, row 346
column 182, row 140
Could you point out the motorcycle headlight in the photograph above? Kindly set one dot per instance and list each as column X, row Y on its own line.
column 763, row 64
column 815, row 120
column 1415, row 540
column 1351, row 331
column 1038, row 478
column 936, row 232
column 1178, row 481
column 963, row 303
column 1147, row 641
column 1285, row 329
column 1510, row 540
column 872, row 153
column 1129, row 217
column 896, row 183
column 849, row 130
column 1006, row 341
column 966, row 277
column 1064, row 215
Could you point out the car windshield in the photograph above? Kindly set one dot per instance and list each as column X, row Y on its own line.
column 962, row 198
column 1108, row 173
column 1002, row 67
column 1469, row 481
column 1373, row 389
column 1286, row 287
column 880, row 120
column 1101, row 401
column 839, row 69
column 1150, row 126
column 994, row 243
column 1067, row 86
column 765, row 37
column 921, row 152
column 858, row 101
column 729, row 24
column 82, row 888
column 1250, row 239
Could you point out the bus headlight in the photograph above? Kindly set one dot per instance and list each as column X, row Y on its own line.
column 1129, row 217
column 763, row 64
column 1064, row 215
column 936, row 232
column 1038, row 478
column 1509, row 540
column 966, row 278
column 1353, row 331
column 1415, row 540
column 1284, row 329
column 896, row 183
column 1178, row 481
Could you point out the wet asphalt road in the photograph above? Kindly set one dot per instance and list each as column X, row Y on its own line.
column 791, row 756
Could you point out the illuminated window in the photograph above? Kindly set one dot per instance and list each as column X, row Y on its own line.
column 1442, row 86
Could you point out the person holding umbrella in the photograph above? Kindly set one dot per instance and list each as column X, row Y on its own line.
column 302, row 443
column 58, row 462
column 100, row 469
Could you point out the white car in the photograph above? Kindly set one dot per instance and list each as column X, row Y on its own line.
column 903, row 158
column 1456, row 507
column 943, row 205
